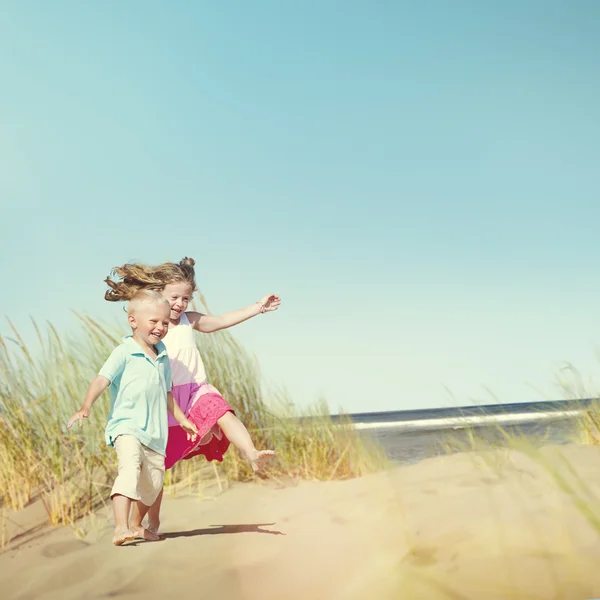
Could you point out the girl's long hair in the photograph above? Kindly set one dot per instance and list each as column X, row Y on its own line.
column 128, row 279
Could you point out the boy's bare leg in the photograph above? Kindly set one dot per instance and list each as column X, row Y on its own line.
column 138, row 512
column 238, row 435
column 121, row 508
column 154, row 514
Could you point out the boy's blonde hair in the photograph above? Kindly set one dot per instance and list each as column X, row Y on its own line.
column 145, row 297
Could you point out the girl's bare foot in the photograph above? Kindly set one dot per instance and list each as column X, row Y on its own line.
column 258, row 459
column 145, row 534
column 122, row 535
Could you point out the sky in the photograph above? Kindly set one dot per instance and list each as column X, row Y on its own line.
column 417, row 180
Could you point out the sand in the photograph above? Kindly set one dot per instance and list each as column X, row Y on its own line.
column 450, row 527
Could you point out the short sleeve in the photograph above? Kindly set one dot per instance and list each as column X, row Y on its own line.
column 114, row 365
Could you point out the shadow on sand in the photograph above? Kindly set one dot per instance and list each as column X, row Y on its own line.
column 220, row 529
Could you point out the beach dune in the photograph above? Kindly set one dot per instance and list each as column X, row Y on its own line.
column 495, row 526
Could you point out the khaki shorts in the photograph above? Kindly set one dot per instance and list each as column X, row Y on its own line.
column 141, row 470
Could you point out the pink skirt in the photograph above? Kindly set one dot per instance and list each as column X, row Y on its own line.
column 203, row 405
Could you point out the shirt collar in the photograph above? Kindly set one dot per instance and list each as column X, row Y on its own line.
column 134, row 348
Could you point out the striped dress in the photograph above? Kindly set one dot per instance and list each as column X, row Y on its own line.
column 200, row 402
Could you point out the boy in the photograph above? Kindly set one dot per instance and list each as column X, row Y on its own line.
column 139, row 376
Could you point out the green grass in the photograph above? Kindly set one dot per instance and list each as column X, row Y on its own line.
column 72, row 471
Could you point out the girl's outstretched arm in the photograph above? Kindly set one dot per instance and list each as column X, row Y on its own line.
column 211, row 323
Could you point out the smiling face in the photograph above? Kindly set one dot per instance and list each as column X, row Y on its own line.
column 178, row 295
column 150, row 322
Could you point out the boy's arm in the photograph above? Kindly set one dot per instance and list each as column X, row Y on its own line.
column 111, row 369
column 211, row 323
column 98, row 385
column 186, row 424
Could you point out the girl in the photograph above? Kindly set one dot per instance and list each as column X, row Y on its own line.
column 201, row 403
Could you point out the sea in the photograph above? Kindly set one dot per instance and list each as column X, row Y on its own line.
column 409, row 436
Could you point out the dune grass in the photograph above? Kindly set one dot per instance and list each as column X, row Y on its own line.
column 72, row 471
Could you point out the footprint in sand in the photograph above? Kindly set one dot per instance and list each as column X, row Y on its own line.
column 63, row 548
column 478, row 481
column 421, row 555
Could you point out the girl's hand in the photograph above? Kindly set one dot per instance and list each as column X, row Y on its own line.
column 190, row 429
column 270, row 302
column 80, row 415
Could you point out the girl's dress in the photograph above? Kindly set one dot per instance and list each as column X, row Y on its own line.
column 201, row 403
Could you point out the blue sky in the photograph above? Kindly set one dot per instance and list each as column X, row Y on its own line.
column 417, row 180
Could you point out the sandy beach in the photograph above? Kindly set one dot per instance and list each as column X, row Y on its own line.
column 449, row 527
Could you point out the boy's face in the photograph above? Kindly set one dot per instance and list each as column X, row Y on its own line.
column 178, row 296
column 150, row 322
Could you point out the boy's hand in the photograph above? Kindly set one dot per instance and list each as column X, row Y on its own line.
column 190, row 429
column 80, row 415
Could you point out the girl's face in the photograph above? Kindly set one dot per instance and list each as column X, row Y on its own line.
column 179, row 296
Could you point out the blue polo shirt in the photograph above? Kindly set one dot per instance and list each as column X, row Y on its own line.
column 138, row 392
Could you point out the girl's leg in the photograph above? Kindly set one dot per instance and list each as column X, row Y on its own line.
column 121, row 508
column 238, row 435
